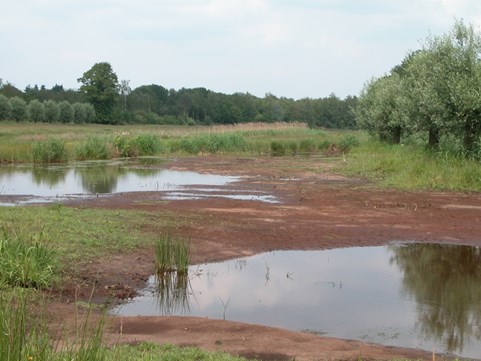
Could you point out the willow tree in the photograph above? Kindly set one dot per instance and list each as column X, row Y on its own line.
column 379, row 109
column 444, row 86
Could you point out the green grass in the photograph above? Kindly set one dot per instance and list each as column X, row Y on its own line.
column 62, row 143
column 171, row 254
column 412, row 167
column 26, row 262
column 108, row 232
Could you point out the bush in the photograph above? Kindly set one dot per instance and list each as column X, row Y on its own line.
column 278, row 149
column 49, row 151
column 147, row 144
column 93, row 148
column 347, row 143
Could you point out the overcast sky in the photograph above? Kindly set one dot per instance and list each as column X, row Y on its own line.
column 291, row 48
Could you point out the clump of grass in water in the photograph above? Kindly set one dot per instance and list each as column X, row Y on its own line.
column 171, row 254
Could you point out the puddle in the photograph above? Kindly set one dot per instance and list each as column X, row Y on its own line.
column 415, row 295
column 27, row 184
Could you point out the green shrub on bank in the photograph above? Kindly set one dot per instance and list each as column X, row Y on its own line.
column 93, row 148
column 213, row 143
column 147, row 144
column 50, row 151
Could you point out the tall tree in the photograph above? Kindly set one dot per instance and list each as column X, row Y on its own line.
column 100, row 87
column 18, row 109
column 36, row 111
column 4, row 107
column 125, row 90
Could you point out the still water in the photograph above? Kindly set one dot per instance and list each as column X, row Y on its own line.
column 50, row 183
column 412, row 295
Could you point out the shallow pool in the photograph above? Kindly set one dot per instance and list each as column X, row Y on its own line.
column 412, row 295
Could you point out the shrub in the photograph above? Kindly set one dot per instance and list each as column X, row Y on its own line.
column 93, row 148
column 147, row 144
column 307, row 145
column 278, row 149
column 50, row 151
column 348, row 142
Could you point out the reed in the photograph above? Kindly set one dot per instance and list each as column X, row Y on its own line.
column 171, row 254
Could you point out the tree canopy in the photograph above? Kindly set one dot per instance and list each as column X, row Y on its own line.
column 100, row 86
column 436, row 90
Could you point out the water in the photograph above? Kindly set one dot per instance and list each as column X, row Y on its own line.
column 417, row 295
column 51, row 183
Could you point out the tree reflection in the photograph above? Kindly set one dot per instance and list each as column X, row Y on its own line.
column 49, row 176
column 445, row 281
column 102, row 178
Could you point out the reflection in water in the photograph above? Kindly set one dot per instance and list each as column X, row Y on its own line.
column 50, row 177
column 93, row 178
column 172, row 293
column 445, row 282
column 417, row 295
column 103, row 178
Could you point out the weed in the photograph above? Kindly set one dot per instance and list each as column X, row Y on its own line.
column 278, row 149
column 347, row 142
column 171, row 254
column 25, row 262
column 49, row 151
column 93, row 148
column 147, row 144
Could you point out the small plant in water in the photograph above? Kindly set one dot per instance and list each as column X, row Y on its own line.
column 171, row 254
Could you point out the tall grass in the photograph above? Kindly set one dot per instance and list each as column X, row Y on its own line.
column 25, row 262
column 93, row 148
column 51, row 150
column 171, row 254
column 413, row 167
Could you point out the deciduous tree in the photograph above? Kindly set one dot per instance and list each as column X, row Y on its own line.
column 100, row 87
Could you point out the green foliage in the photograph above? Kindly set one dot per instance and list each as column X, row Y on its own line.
column 214, row 143
column 25, row 262
column 80, row 113
column 36, row 111
column 435, row 91
column 52, row 111
column 99, row 85
column 147, row 144
column 51, row 150
column 153, row 352
column 171, row 254
column 347, row 142
column 4, row 107
column 18, row 109
column 412, row 167
column 93, row 148
column 67, row 112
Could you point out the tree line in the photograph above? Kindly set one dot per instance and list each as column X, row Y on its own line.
column 114, row 102
column 435, row 93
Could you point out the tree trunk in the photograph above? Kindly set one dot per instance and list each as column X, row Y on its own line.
column 433, row 137
column 396, row 135
column 470, row 136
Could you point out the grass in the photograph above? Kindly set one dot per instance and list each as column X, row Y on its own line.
column 171, row 254
column 108, row 232
column 412, row 167
column 26, row 262
column 62, row 143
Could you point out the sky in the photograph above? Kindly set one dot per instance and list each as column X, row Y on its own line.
column 289, row 48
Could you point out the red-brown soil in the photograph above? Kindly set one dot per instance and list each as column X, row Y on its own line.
column 317, row 210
